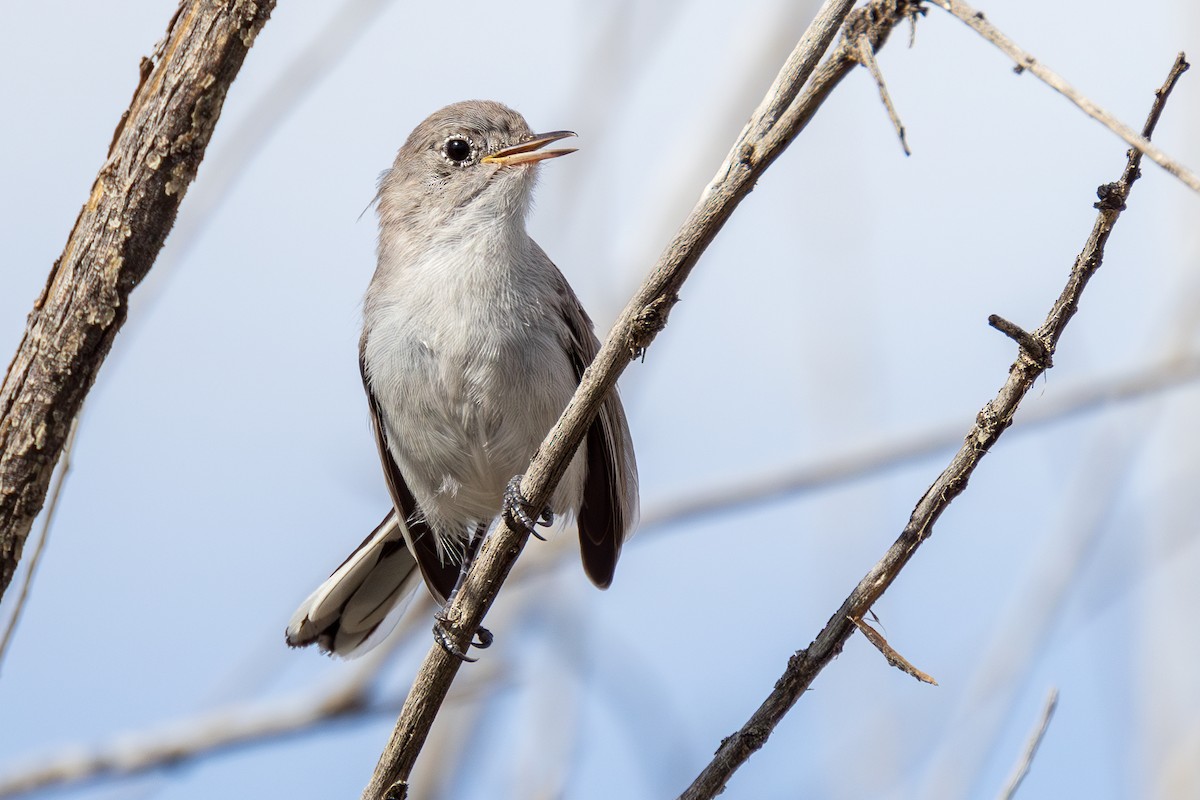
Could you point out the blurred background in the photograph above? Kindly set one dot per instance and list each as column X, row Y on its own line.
column 224, row 463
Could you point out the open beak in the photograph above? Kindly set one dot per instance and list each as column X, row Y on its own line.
column 529, row 152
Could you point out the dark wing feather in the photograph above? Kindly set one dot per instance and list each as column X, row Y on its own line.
column 440, row 575
column 610, row 493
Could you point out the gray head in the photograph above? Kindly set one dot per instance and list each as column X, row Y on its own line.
column 474, row 157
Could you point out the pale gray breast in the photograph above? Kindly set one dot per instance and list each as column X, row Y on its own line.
column 471, row 372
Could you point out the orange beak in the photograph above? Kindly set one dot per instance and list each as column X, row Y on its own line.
column 529, row 152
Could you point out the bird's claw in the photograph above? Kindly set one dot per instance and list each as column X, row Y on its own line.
column 443, row 637
column 441, row 634
column 483, row 638
column 516, row 510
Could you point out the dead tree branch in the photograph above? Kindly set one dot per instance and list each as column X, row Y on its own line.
column 991, row 422
column 155, row 152
column 866, row 57
column 1026, row 61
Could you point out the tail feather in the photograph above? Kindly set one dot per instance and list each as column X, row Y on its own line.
column 364, row 598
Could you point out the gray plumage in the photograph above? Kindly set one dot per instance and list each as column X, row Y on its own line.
column 472, row 345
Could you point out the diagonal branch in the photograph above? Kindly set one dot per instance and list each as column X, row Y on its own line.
column 774, row 124
column 155, row 152
column 1026, row 61
column 995, row 417
column 866, row 56
column 1031, row 747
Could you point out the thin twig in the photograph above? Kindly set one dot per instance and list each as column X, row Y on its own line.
column 1031, row 746
column 1087, row 510
column 1026, row 61
column 891, row 654
column 773, row 125
column 64, row 466
column 992, row 421
column 1028, row 343
column 867, row 56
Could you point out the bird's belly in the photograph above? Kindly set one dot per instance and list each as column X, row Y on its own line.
column 466, row 413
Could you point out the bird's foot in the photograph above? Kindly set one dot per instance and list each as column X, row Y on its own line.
column 483, row 639
column 441, row 634
column 516, row 510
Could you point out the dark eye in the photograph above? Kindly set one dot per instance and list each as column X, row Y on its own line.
column 457, row 149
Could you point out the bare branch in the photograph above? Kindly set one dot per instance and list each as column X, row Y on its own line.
column 866, row 57
column 1028, row 343
column 156, row 150
column 778, row 119
column 890, row 654
column 1031, row 747
column 1026, row 61
column 991, row 422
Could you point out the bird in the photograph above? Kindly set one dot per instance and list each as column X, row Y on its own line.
column 472, row 345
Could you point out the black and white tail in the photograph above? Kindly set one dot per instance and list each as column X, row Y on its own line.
column 364, row 598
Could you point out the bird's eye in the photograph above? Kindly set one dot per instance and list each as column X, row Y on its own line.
column 457, row 149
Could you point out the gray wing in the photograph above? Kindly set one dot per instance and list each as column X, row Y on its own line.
column 364, row 597
column 440, row 576
column 609, row 509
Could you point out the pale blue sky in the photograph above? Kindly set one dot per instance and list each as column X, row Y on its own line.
column 225, row 464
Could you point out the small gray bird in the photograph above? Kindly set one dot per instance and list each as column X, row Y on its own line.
column 472, row 345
